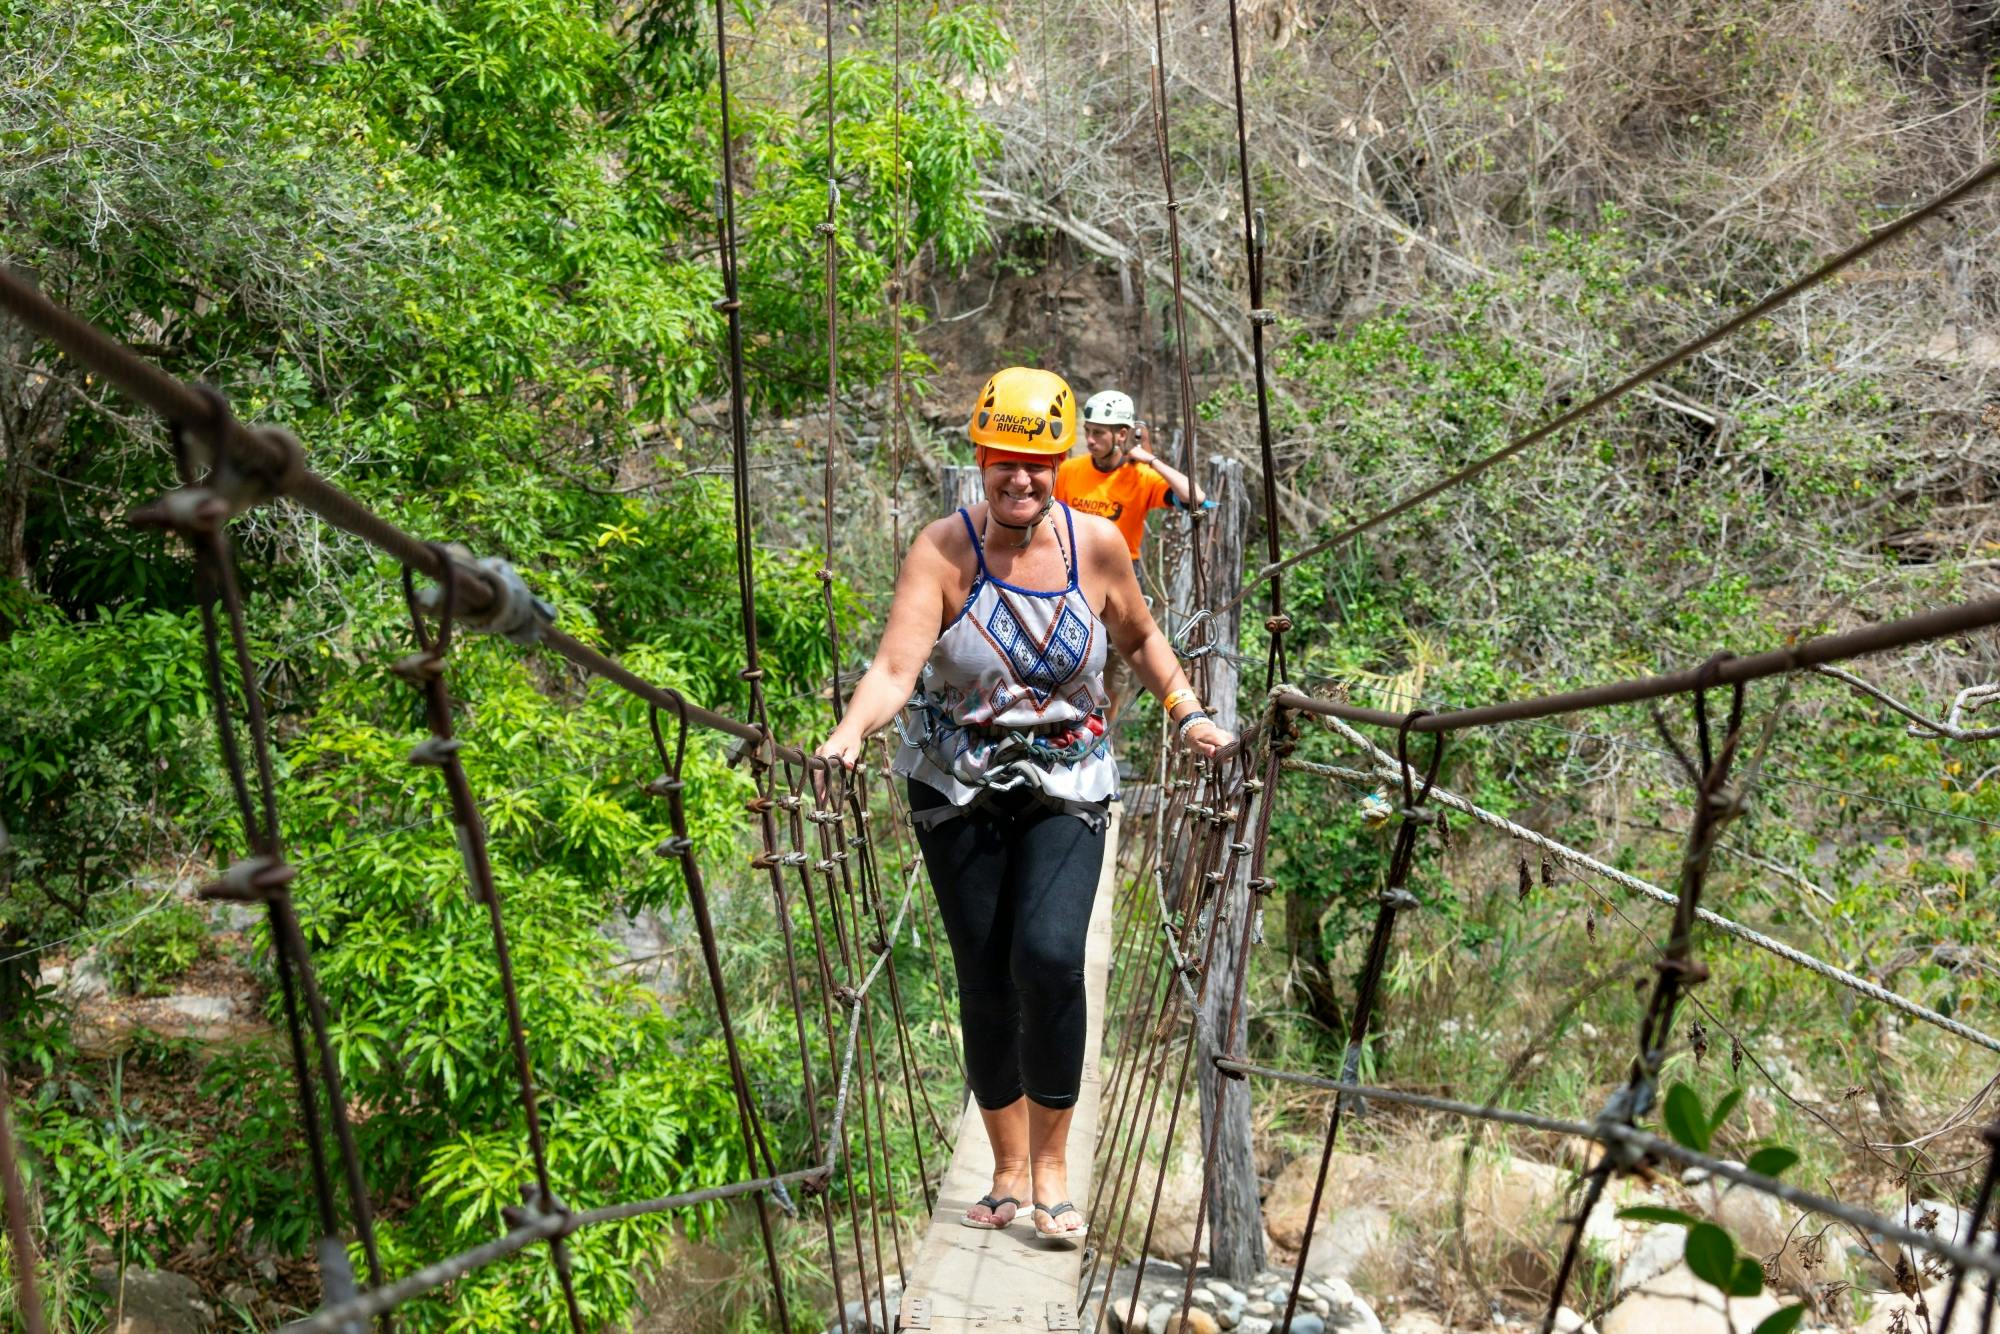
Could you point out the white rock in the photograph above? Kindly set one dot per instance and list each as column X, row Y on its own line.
column 1254, row 1324
column 1261, row 1307
column 1658, row 1251
column 1569, row 1322
column 1417, row 1322
column 86, row 978
column 1680, row 1302
column 1343, row 1241
column 1964, row 1320
column 1203, row 1297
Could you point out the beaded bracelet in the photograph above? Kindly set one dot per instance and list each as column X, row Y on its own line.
column 1185, row 725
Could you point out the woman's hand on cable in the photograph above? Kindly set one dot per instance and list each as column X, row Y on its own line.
column 843, row 748
column 1205, row 738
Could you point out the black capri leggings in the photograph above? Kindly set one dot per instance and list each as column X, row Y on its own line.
column 1015, row 876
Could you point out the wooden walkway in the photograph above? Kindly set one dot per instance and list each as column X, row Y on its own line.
column 966, row 1279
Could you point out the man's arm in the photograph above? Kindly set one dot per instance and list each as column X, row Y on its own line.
column 1177, row 481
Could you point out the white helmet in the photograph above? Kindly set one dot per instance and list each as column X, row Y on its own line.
column 1109, row 407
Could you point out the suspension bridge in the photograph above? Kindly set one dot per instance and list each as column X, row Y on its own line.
column 1176, row 913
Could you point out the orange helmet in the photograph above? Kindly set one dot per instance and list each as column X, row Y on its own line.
column 1024, row 411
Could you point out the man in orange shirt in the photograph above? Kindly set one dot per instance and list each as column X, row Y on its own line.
column 1121, row 480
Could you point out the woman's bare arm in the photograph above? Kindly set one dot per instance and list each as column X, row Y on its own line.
column 916, row 615
column 1135, row 634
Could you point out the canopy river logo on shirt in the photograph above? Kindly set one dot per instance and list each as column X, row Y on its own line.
column 1098, row 505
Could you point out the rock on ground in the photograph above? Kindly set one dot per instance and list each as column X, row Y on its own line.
column 1763, row 1227
column 1342, row 1242
column 1351, row 1179
column 1682, row 1303
column 155, row 1301
column 1659, row 1249
column 1964, row 1320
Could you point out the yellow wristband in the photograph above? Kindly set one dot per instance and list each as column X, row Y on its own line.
column 1177, row 697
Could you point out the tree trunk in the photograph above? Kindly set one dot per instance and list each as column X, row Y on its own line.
column 1236, row 1223
column 961, row 485
column 30, row 423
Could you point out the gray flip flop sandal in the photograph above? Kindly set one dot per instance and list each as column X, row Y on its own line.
column 991, row 1224
column 1059, row 1234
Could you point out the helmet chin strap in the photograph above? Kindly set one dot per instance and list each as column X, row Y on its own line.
column 1026, row 530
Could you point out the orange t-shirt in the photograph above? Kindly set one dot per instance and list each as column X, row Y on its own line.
column 1125, row 497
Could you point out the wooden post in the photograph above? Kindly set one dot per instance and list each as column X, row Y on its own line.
column 1236, row 1223
column 961, row 485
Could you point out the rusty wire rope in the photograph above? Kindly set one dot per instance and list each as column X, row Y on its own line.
column 492, row 597
column 1964, row 189
column 1174, row 929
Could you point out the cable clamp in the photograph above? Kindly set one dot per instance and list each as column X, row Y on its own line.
column 1278, row 624
column 1261, row 316
column 1421, row 814
column 252, row 880
column 1239, row 849
column 1262, row 884
column 515, row 613
column 419, row 669
column 435, row 752
column 677, row 846
column 857, row 840
column 186, row 510
column 336, row 1280
column 665, row 785
column 240, row 487
column 823, row 864
column 1398, row 899
column 1213, row 877
column 1691, row 971
column 537, row 1208
column 789, row 802
column 823, row 817
column 1625, row 1106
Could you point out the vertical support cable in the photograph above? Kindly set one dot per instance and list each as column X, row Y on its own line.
column 1184, row 379
column 830, row 231
column 672, row 786
column 201, row 515
column 1277, row 623
column 424, row 669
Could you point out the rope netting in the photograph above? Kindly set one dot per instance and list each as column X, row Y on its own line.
column 842, row 894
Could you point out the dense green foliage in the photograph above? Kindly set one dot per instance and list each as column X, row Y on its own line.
column 467, row 251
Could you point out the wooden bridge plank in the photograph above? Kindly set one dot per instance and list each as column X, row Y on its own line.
column 968, row 1279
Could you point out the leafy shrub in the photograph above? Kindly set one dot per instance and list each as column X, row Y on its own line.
column 156, row 938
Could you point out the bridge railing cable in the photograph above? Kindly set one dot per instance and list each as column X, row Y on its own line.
column 1957, row 193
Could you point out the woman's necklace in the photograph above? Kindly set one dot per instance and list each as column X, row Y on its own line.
column 1028, row 533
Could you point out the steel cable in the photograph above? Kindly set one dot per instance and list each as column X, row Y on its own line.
column 1965, row 188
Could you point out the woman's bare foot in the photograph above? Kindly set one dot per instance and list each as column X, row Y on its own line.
column 1055, row 1215
column 1003, row 1201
